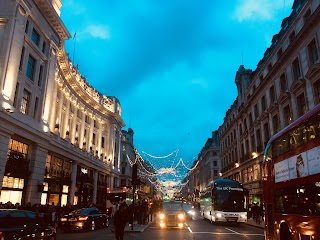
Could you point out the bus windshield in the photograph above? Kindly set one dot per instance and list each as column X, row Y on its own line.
column 231, row 201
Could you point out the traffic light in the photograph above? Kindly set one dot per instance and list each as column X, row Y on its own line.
column 134, row 174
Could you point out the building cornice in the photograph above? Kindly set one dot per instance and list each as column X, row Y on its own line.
column 78, row 90
column 53, row 18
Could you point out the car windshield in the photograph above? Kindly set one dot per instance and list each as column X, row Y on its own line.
column 172, row 205
column 187, row 206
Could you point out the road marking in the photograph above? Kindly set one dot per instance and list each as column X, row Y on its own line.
column 230, row 233
column 232, row 230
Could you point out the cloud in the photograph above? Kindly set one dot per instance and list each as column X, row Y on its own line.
column 262, row 10
column 98, row 31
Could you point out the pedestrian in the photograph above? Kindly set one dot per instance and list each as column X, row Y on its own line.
column 120, row 221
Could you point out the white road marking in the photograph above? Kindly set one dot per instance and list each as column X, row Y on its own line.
column 232, row 230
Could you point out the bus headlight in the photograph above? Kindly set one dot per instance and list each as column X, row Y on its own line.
column 162, row 216
column 181, row 216
column 219, row 215
column 243, row 216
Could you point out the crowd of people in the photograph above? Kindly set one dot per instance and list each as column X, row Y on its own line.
column 256, row 212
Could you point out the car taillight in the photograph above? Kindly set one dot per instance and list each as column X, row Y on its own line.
column 63, row 219
column 83, row 218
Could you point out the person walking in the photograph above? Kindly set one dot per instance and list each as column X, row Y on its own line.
column 120, row 221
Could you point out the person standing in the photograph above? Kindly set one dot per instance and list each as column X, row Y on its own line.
column 120, row 221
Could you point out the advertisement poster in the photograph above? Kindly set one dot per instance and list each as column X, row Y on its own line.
column 281, row 171
column 301, row 165
column 313, row 156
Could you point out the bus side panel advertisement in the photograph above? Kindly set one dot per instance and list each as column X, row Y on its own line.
column 301, row 165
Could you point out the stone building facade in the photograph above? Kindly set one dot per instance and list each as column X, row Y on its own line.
column 285, row 84
column 206, row 169
column 60, row 139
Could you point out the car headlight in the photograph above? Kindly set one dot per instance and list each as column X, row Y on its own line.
column 162, row 216
column 219, row 215
column 191, row 212
column 181, row 216
column 243, row 216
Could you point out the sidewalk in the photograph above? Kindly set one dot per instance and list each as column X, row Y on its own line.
column 251, row 222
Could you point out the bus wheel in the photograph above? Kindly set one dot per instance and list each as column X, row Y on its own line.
column 285, row 232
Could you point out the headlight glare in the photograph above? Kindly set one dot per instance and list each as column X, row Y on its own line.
column 162, row 216
column 181, row 216
column 219, row 215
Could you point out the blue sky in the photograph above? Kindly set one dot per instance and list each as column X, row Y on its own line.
column 172, row 63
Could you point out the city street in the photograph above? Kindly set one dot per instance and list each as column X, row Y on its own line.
column 195, row 229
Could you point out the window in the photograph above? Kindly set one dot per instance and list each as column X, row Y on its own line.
column 16, row 95
column 253, row 143
column 31, row 67
column 302, row 107
column 292, row 36
column 35, row 37
column 44, row 47
column 214, row 163
column 275, row 123
column 279, row 53
column 256, row 111
column 40, row 76
column 266, row 132
column 313, row 51
column 27, row 27
column 317, row 91
column 21, row 59
column 296, row 69
column 307, row 15
column 93, row 138
column 287, row 115
column 272, row 94
column 283, row 83
column 35, row 108
column 269, row 66
column 25, row 102
column 263, row 103
column 215, row 173
column 102, row 142
column 258, row 137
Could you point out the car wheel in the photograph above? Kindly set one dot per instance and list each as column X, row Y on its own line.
column 93, row 225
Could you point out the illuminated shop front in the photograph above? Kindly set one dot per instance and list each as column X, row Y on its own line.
column 57, row 181
column 84, row 186
column 16, row 173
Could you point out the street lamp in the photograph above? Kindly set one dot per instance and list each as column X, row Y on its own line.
column 236, row 164
column 254, row 154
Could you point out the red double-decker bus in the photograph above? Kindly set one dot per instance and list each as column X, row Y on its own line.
column 291, row 180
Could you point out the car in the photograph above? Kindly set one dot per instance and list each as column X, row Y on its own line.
column 84, row 219
column 172, row 215
column 23, row 224
column 189, row 210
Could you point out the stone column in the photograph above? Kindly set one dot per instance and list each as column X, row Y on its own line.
column 66, row 121
column 95, row 187
column 4, row 145
column 73, row 126
column 73, row 182
column 111, row 181
column 81, row 130
column 37, row 167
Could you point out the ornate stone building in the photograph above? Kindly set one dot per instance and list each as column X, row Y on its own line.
column 285, row 84
column 60, row 139
column 207, row 168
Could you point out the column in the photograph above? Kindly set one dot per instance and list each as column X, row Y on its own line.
column 50, row 105
column 10, row 52
column 59, row 117
column 99, row 147
column 81, row 130
column 4, row 144
column 95, row 187
column 91, row 147
column 37, row 167
column 73, row 183
column 66, row 121
column 73, row 126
